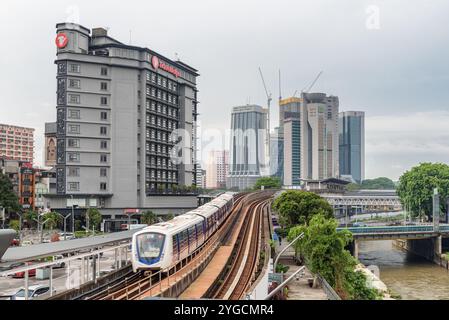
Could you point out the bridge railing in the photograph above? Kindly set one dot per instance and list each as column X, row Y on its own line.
column 393, row 229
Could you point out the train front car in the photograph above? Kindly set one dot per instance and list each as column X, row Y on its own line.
column 148, row 249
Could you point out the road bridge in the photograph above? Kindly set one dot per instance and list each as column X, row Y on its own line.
column 413, row 233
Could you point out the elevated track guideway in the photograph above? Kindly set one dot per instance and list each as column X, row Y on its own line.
column 241, row 232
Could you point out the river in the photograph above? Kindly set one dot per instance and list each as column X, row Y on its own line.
column 411, row 276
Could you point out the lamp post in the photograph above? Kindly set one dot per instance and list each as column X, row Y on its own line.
column 65, row 224
column 40, row 225
column 73, row 216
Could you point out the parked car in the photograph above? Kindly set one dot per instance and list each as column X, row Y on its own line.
column 26, row 243
column 33, row 292
column 60, row 264
column 68, row 236
column 21, row 274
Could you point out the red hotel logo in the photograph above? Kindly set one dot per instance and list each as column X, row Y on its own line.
column 159, row 64
column 61, row 40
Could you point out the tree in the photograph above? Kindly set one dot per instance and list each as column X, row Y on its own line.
column 149, row 217
column 95, row 217
column 53, row 219
column 323, row 250
column 268, row 183
column 14, row 224
column 8, row 198
column 416, row 187
column 381, row 183
column 168, row 217
column 30, row 218
column 298, row 207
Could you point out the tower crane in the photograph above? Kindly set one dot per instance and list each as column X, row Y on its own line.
column 311, row 86
column 269, row 99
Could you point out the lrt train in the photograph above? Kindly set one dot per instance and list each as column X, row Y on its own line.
column 162, row 245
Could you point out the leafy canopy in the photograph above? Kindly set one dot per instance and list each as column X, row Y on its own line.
column 95, row 217
column 416, row 187
column 8, row 198
column 298, row 207
column 381, row 183
column 268, row 183
column 149, row 217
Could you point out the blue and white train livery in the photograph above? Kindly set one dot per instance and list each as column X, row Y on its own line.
column 162, row 245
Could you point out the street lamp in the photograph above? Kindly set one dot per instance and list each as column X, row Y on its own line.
column 73, row 216
column 65, row 223
column 41, row 224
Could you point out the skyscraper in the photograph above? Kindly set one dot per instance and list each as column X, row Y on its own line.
column 352, row 145
column 319, row 136
column 311, row 126
column 217, row 169
column 248, row 145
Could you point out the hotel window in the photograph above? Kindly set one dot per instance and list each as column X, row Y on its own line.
column 74, row 83
column 103, row 158
column 104, row 101
column 103, row 130
column 74, row 186
column 73, row 114
column 159, row 80
column 104, row 71
column 148, row 76
column 73, row 143
column 74, row 157
column 104, row 116
column 103, row 172
column 148, row 91
column 74, row 98
column 169, row 85
column 74, row 172
column 159, row 94
column 164, row 83
column 104, row 86
column 74, row 128
column 103, row 186
column 174, row 86
column 75, row 68
column 153, row 77
column 153, row 92
column 103, row 144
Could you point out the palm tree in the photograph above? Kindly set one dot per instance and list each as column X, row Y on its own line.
column 149, row 217
column 52, row 219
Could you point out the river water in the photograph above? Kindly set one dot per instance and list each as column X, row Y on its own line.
column 411, row 276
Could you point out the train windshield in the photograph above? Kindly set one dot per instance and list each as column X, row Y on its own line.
column 150, row 246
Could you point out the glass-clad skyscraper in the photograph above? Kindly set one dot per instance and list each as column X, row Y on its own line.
column 248, row 146
column 352, row 145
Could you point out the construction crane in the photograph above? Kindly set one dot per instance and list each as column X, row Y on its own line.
column 269, row 99
column 311, row 86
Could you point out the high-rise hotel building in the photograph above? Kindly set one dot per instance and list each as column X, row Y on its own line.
column 117, row 109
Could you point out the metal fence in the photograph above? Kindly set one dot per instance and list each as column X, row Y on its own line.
column 330, row 292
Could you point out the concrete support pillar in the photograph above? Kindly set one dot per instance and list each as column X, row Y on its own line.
column 438, row 246
column 356, row 249
column 51, row 281
column 82, row 275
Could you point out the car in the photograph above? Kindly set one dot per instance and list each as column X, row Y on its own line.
column 68, row 236
column 27, row 243
column 358, row 224
column 33, row 292
column 21, row 274
column 59, row 264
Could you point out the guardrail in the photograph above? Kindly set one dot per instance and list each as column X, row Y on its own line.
column 330, row 292
column 394, row 229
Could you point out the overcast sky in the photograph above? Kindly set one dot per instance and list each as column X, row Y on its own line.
column 387, row 58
